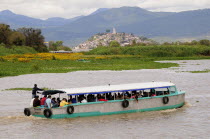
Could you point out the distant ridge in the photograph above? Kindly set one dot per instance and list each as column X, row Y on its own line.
column 188, row 24
column 99, row 10
column 17, row 20
column 6, row 12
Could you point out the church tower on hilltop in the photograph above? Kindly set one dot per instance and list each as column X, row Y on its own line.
column 114, row 31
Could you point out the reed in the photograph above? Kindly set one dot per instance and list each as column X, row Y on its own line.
column 154, row 51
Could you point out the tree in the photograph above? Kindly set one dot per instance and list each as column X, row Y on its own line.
column 17, row 38
column 52, row 46
column 5, row 31
column 194, row 42
column 114, row 44
column 34, row 38
column 58, row 45
column 65, row 48
column 205, row 42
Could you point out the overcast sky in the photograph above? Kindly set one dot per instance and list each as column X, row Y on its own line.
column 70, row 8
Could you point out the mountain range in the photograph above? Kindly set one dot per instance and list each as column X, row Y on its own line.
column 158, row 25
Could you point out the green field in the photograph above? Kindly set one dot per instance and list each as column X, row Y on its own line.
column 103, row 58
column 62, row 66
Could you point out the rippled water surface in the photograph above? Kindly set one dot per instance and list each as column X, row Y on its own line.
column 190, row 121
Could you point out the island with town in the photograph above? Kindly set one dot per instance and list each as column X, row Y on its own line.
column 104, row 39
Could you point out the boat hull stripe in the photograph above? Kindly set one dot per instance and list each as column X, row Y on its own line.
column 97, row 113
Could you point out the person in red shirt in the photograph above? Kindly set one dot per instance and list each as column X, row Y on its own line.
column 102, row 99
column 42, row 102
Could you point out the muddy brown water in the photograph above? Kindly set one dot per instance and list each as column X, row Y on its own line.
column 190, row 121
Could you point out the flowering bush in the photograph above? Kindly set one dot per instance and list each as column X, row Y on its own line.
column 44, row 56
column 58, row 56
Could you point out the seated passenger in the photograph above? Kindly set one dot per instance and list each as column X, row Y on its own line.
column 136, row 97
column 141, row 94
column 94, row 98
column 89, row 97
column 58, row 101
column 42, row 101
column 133, row 96
column 48, row 102
column 36, row 102
column 115, row 96
column 54, row 103
column 32, row 101
column 119, row 96
column 69, row 101
column 126, row 96
column 63, row 102
column 84, row 100
column 153, row 95
column 74, row 100
column 102, row 99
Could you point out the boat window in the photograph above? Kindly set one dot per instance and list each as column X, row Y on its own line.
column 146, row 93
column 161, row 91
column 172, row 89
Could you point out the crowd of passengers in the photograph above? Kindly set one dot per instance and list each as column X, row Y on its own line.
column 49, row 102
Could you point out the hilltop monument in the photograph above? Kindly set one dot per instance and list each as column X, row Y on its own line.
column 114, row 31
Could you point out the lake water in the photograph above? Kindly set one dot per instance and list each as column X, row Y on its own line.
column 190, row 121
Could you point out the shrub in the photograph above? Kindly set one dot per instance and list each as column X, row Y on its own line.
column 154, row 50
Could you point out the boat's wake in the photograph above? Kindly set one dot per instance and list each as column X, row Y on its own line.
column 22, row 117
column 169, row 110
column 187, row 104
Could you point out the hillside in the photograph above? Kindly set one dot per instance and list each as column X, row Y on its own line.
column 104, row 39
column 87, row 26
column 188, row 24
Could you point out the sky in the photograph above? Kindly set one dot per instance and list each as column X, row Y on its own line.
column 44, row 9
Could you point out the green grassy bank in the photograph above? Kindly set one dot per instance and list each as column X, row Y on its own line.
column 15, row 50
column 104, row 58
column 62, row 66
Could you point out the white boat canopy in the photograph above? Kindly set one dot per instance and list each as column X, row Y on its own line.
column 116, row 88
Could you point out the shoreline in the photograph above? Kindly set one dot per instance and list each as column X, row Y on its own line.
column 95, row 63
column 77, row 78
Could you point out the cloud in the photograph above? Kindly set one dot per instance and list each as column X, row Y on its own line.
column 71, row 8
column 174, row 5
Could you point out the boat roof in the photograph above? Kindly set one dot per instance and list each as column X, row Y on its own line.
column 116, row 88
column 52, row 92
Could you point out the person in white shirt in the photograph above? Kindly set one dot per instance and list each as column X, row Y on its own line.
column 32, row 101
column 84, row 100
column 48, row 102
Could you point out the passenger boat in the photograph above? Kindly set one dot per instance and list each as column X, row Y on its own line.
column 116, row 99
